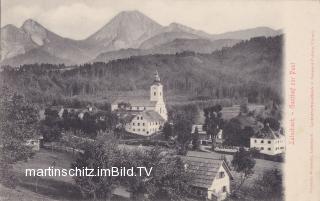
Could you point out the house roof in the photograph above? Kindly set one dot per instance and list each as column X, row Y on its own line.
column 267, row 133
column 136, row 101
column 151, row 115
column 205, row 168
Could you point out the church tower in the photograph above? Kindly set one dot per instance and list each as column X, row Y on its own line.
column 156, row 94
column 156, row 89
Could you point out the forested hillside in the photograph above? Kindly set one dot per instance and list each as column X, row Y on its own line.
column 250, row 69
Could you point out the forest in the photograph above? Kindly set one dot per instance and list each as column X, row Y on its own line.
column 250, row 69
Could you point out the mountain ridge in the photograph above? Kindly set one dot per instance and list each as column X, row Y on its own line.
column 126, row 30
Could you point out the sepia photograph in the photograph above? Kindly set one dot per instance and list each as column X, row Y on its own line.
column 143, row 100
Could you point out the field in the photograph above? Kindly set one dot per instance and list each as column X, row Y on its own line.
column 44, row 188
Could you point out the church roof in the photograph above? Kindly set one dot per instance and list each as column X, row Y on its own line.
column 136, row 101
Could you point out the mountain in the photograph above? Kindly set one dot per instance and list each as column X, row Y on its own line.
column 247, row 33
column 176, row 46
column 17, row 42
column 126, row 30
column 129, row 33
column 14, row 41
column 34, row 56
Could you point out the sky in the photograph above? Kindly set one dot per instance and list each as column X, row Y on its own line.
column 77, row 19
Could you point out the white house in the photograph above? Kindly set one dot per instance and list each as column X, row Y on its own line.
column 268, row 141
column 211, row 175
column 145, row 123
column 145, row 116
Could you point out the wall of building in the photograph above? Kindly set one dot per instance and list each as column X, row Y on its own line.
column 143, row 126
column 218, row 184
column 268, row 146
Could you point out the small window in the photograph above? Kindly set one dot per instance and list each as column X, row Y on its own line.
column 154, row 93
column 269, row 142
column 221, row 174
column 160, row 93
column 141, row 118
column 144, row 108
column 138, row 124
column 269, row 149
column 142, row 124
column 255, row 140
column 134, row 129
column 261, row 141
column 143, row 130
column 262, row 148
column 137, row 118
column 147, row 132
column 224, row 189
column 133, row 124
column 139, row 129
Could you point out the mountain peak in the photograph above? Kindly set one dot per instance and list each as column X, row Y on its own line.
column 125, row 30
column 29, row 23
column 37, row 32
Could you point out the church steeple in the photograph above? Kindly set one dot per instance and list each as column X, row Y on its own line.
column 156, row 77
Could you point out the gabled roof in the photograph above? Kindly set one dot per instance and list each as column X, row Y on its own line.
column 151, row 115
column 136, row 101
column 267, row 133
column 204, row 167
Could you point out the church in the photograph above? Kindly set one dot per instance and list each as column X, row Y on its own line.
column 143, row 116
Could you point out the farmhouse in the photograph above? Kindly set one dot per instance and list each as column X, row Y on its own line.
column 268, row 141
column 144, row 116
column 211, row 176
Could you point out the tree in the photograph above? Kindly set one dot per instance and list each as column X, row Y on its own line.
column 270, row 185
column 243, row 163
column 100, row 154
column 18, row 123
column 167, row 130
column 50, row 127
column 182, row 129
column 213, row 121
column 195, row 139
column 169, row 179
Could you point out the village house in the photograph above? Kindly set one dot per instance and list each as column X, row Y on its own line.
column 34, row 143
column 268, row 141
column 204, row 138
column 211, row 176
column 143, row 116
